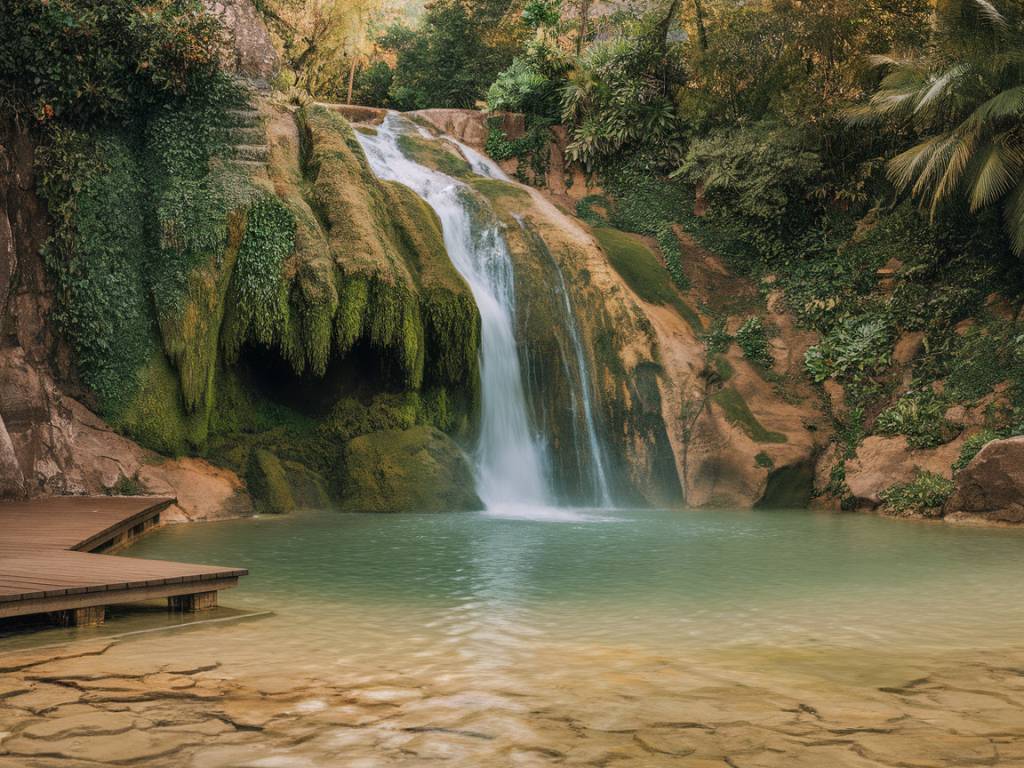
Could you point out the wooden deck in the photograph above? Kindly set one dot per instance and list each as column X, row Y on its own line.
column 49, row 561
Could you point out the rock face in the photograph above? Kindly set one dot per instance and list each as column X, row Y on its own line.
column 50, row 443
column 882, row 462
column 412, row 470
column 254, row 53
column 991, row 487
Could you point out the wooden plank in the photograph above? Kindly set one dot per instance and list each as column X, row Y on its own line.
column 47, row 561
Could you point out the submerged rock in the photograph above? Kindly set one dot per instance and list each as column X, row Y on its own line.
column 991, row 487
column 413, row 470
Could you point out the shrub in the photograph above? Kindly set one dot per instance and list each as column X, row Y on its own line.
column 753, row 340
column 973, row 445
column 856, row 347
column 918, row 415
column 757, row 177
column 93, row 187
column 924, row 495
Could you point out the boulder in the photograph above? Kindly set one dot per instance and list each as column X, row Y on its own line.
column 413, row 470
column 882, row 462
column 991, row 487
column 203, row 491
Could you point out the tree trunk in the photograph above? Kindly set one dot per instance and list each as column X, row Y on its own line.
column 351, row 78
column 581, row 32
column 702, row 33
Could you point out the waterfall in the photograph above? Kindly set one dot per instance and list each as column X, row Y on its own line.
column 510, row 458
column 600, row 473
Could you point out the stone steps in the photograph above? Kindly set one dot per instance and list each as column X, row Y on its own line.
column 252, row 152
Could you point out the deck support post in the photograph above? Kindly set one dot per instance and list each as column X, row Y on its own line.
column 198, row 601
column 81, row 617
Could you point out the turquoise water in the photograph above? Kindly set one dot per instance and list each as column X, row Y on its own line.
column 654, row 579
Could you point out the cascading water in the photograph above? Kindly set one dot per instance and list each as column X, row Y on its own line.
column 510, row 461
column 510, row 458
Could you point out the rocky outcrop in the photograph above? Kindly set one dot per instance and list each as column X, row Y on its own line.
column 412, row 470
column 50, row 442
column 254, row 55
column 991, row 487
column 882, row 462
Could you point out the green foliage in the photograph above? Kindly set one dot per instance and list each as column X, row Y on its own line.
column 259, row 292
column 88, row 63
column 373, row 84
column 192, row 200
column 93, row 187
column 973, row 445
column 752, row 338
column 615, row 103
column 541, row 13
column 451, row 58
column 857, row 347
column 669, row 244
column 127, row 486
column 920, row 415
column 756, row 177
column 531, row 149
column 522, row 87
column 964, row 100
column 718, row 339
column 925, row 495
column 764, row 461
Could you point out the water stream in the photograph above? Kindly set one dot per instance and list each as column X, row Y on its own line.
column 510, row 457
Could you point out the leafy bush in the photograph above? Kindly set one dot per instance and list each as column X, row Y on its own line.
column 615, row 101
column 451, row 58
column 920, row 415
column 973, row 445
column 753, row 340
column 925, row 495
column 756, row 176
column 105, row 62
column 372, row 85
column 93, row 187
column 522, row 87
column 857, row 347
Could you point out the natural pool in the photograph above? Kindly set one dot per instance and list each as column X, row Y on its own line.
column 578, row 637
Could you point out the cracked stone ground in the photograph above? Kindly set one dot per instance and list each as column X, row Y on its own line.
column 217, row 698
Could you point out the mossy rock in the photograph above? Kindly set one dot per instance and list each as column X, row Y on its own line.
column 268, row 483
column 413, row 470
column 308, row 488
column 155, row 417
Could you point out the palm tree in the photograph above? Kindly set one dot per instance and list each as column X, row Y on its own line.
column 965, row 100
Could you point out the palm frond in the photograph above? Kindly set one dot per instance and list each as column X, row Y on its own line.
column 1013, row 213
column 994, row 172
column 960, row 153
column 1005, row 104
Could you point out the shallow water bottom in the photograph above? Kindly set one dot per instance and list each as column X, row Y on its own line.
column 533, row 638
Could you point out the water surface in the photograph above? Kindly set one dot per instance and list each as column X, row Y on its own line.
column 554, row 637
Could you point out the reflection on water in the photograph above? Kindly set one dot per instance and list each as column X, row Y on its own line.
column 655, row 578
column 575, row 637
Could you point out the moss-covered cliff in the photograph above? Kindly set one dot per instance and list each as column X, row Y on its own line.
column 260, row 313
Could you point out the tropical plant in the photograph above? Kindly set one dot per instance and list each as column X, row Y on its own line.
column 752, row 338
column 617, row 98
column 856, row 347
column 924, row 495
column 965, row 99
